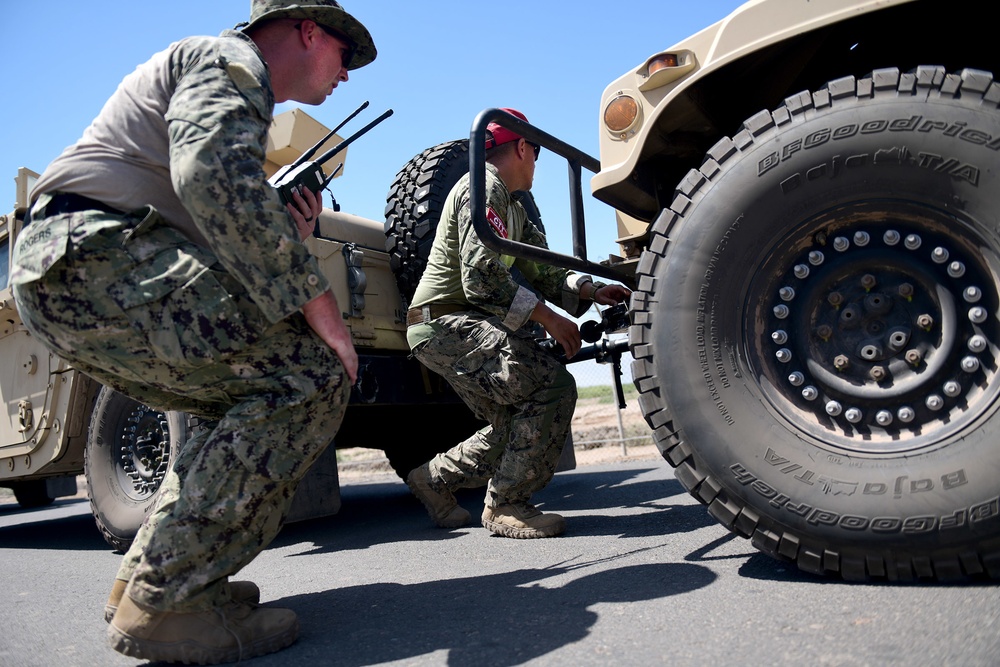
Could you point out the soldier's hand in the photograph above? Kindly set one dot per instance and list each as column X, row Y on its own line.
column 564, row 330
column 323, row 315
column 609, row 295
column 305, row 208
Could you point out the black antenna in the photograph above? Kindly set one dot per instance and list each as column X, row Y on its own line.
column 309, row 153
column 344, row 144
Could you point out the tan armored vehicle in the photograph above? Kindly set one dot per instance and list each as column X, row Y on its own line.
column 808, row 203
column 808, row 208
column 61, row 424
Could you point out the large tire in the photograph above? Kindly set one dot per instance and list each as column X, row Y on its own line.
column 129, row 450
column 816, row 334
column 414, row 206
column 415, row 203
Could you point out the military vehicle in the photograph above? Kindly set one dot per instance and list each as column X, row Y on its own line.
column 803, row 193
column 62, row 424
column 805, row 197
column 816, row 330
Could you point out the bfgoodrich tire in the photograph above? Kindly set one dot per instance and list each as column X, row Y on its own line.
column 129, row 450
column 816, row 340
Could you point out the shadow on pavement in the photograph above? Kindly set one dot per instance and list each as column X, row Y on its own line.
column 51, row 528
column 382, row 513
column 500, row 619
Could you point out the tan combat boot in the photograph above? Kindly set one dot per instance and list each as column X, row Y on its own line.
column 522, row 521
column 241, row 591
column 436, row 497
column 229, row 633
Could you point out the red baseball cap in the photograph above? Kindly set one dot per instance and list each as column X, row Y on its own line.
column 498, row 135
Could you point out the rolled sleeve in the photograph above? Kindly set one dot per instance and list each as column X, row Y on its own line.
column 520, row 309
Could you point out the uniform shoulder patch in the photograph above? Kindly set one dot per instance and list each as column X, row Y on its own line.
column 496, row 222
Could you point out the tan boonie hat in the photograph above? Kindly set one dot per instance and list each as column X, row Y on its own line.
column 325, row 12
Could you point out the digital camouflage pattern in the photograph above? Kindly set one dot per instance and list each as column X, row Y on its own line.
column 213, row 332
column 487, row 352
column 526, row 395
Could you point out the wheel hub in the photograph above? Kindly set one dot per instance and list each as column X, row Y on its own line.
column 144, row 450
column 878, row 336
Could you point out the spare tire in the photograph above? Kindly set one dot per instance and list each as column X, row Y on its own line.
column 415, row 203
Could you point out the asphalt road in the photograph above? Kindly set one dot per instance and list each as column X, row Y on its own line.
column 642, row 577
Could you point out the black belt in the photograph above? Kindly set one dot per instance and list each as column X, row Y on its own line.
column 67, row 202
column 425, row 314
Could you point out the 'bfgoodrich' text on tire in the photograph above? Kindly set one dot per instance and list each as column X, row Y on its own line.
column 816, row 336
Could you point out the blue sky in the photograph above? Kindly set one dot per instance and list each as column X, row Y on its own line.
column 440, row 63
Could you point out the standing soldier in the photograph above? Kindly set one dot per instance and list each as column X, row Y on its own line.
column 160, row 261
column 470, row 323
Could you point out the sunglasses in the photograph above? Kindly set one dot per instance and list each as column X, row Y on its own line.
column 348, row 53
column 538, row 149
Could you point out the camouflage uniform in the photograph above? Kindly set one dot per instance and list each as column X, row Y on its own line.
column 487, row 351
column 209, row 327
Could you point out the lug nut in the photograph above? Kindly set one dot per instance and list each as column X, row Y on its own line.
column 833, row 408
column 976, row 344
column 891, row 237
column 906, row 290
column 840, row 244
column 780, row 337
column 934, row 402
column 781, row 311
column 784, row 355
column 883, row 417
column 801, row 271
column 912, row 242
column 816, row 257
column 841, row 362
column 786, row 293
column 868, row 281
column 951, row 388
column 835, row 299
column 905, row 414
column 956, row 269
column 939, row 255
column 972, row 294
column 853, row 415
column 824, row 331
column 970, row 364
column 925, row 322
column 796, row 379
column 861, row 238
column 978, row 314
column 810, row 393
column 878, row 373
column 913, row 357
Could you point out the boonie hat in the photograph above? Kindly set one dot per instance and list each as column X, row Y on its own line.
column 497, row 135
column 325, row 12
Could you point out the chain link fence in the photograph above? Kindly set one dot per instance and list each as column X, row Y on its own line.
column 602, row 430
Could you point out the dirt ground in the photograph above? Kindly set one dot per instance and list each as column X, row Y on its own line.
column 597, row 438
